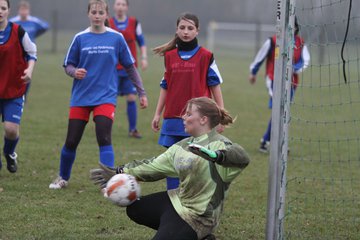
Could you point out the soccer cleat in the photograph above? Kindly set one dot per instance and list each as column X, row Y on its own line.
column 58, row 183
column 264, row 146
column 135, row 134
column 11, row 160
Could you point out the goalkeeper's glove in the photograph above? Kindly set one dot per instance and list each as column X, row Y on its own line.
column 102, row 175
column 213, row 156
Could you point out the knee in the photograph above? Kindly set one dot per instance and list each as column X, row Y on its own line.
column 11, row 130
column 71, row 144
column 104, row 140
column 131, row 98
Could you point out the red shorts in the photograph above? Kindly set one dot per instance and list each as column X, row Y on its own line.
column 83, row 113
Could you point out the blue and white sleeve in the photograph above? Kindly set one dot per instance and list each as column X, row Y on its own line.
column 125, row 57
column 41, row 26
column 260, row 57
column 73, row 55
column 140, row 39
column 304, row 61
column 163, row 83
column 214, row 77
column 29, row 47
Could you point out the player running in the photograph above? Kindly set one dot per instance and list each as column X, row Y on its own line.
column 18, row 56
column 131, row 29
column 301, row 61
column 193, row 210
column 190, row 71
column 91, row 60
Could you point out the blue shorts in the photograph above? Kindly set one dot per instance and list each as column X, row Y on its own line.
column 169, row 140
column 126, row 86
column 12, row 109
column 291, row 97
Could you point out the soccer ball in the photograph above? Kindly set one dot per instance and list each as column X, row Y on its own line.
column 122, row 189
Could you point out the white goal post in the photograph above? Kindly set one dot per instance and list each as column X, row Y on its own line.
column 247, row 34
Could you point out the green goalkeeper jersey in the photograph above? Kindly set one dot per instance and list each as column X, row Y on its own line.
column 203, row 184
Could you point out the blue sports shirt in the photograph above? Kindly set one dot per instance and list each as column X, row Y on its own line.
column 99, row 55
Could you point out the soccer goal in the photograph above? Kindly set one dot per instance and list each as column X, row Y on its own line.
column 314, row 174
column 237, row 36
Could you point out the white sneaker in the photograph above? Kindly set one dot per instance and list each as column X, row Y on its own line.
column 58, row 183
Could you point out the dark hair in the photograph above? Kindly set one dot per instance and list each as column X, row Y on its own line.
column 297, row 28
column 208, row 107
column 8, row 3
column 91, row 2
column 172, row 43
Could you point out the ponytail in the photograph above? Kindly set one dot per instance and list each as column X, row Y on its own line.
column 162, row 49
column 208, row 107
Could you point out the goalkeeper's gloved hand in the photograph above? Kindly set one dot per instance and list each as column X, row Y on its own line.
column 213, row 156
column 102, row 175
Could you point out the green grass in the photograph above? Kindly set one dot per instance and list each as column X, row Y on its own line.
column 29, row 210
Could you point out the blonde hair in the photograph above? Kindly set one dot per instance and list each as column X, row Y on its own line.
column 208, row 107
column 162, row 49
column 103, row 2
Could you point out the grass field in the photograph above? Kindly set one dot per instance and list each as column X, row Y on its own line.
column 324, row 155
column 29, row 210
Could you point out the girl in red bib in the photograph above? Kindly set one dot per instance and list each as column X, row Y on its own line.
column 190, row 71
column 18, row 56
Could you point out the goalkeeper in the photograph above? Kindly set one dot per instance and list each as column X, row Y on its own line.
column 206, row 163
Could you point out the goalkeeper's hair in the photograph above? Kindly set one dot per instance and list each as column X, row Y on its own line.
column 208, row 107
column 162, row 49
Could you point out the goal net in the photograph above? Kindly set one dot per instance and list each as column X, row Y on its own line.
column 323, row 163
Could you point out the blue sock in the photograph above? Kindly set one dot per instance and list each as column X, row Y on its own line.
column 132, row 115
column 10, row 145
column 267, row 134
column 172, row 183
column 67, row 159
column 107, row 155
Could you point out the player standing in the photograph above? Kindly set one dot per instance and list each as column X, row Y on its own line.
column 131, row 29
column 34, row 26
column 301, row 61
column 190, row 71
column 91, row 60
column 18, row 56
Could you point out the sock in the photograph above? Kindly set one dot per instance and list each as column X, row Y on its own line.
column 107, row 155
column 132, row 115
column 172, row 183
column 10, row 145
column 267, row 134
column 67, row 159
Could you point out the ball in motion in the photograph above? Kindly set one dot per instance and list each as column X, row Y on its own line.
column 122, row 189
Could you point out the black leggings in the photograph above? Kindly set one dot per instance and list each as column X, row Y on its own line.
column 76, row 128
column 157, row 212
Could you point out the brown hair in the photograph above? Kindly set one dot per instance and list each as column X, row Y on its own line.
column 208, row 107
column 160, row 50
column 103, row 2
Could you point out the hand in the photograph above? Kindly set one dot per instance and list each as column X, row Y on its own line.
column 207, row 154
column 102, row 175
column 80, row 73
column 155, row 123
column 143, row 102
column 27, row 75
column 144, row 64
column 252, row 79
